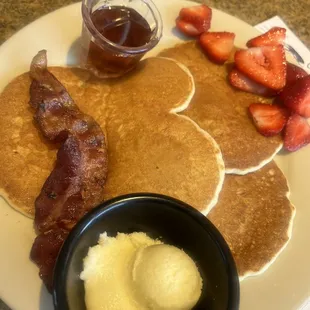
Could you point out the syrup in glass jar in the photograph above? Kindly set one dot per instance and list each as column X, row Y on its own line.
column 115, row 37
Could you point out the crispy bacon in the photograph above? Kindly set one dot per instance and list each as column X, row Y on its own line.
column 75, row 186
column 45, row 250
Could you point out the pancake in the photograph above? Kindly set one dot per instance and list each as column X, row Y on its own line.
column 255, row 217
column 151, row 149
column 222, row 111
column 27, row 157
column 169, row 155
column 176, row 159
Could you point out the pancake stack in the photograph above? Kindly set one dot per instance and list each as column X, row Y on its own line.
column 174, row 126
column 253, row 212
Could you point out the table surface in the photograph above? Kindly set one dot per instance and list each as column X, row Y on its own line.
column 17, row 14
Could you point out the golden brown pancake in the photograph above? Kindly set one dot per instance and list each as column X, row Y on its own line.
column 164, row 155
column 27, row 157
column 222, row 111
column 255, row 217
column 150, row 149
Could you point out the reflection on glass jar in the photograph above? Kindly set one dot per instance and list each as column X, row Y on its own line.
column 116, row 34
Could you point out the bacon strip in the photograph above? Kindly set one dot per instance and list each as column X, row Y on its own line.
column 75, row 186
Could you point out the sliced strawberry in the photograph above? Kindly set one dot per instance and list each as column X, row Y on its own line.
column 294, row 73
column 268, row 119
column 198, row 16
column 275, row 36
column 187, row 28
column 265, row 65
column 297, row 133
column 217, row 45
column 297, row 96
column 242, row 82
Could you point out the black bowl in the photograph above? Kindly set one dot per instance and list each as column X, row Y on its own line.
column 174, row 222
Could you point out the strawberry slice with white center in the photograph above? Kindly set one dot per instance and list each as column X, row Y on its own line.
column 217, row 45
column 275, row 36
column 297, row 133
column 187, row 28
column 265, row 65
column 242, row 82
column 269, row 120
column 194, row 20
column 297, row 96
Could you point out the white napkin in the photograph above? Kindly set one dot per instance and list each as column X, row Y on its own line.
column 291, row 40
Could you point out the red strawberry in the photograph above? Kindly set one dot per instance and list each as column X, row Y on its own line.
column 297, row 96
column 265, row 65
column 187, row 28
column 294, row 73
column 194, row 20
column 217, row 45
column 273, row 37
column 242, row 82
column 297, row 133
column 268, row 119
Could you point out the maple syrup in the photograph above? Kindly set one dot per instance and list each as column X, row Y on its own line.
column 117, row 37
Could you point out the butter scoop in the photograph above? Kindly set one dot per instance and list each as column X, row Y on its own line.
column 166, row 278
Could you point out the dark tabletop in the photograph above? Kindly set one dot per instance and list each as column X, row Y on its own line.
column 17, row 14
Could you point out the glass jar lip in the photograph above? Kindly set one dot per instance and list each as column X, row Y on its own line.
column 157, row 32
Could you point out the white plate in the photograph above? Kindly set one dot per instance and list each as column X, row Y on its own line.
column 285, row 285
